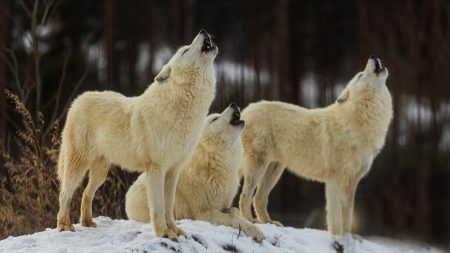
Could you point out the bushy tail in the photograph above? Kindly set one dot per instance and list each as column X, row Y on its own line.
column 61, row 163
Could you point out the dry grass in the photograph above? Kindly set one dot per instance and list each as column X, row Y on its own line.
column 28, row 181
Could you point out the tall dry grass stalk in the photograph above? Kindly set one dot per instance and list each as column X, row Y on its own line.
column 29, row 186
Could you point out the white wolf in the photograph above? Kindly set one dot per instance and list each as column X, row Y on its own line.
column 334, row 145
column 209, row 181
column 155, row 133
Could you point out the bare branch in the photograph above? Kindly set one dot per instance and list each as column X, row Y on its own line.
column 49, row 102
column 12, row 18
column 16, row 71
column 58, row 95
column 61, row 82
column 25, row 8
column 48, row 7
column 14, row 68
column 27, row 94
column 12, row 122
column 37, row 56
column 50, row 12
column 35, row 9
column 72, row 95
column 3, row 80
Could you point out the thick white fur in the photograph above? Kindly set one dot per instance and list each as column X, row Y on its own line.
column 334, row 145
column 155, row 133
column 207, row 183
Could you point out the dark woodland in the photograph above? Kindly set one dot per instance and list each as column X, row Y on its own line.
column 302, row 52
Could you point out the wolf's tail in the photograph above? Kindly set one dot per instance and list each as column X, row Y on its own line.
column 61, row 163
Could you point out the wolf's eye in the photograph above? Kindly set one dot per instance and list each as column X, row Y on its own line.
column 359, row 76
column 184, row 51
column 213, row 120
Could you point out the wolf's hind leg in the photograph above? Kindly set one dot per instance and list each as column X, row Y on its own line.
column 252, row 172
column 72, row 170
column 260, row 201
column 97, row 176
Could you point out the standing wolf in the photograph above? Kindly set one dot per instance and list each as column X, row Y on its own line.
column 209, row 181
column 155, row 133
column 334, row 145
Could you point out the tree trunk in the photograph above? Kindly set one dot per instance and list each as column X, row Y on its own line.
column 280, row 45
column 110, row 31
column 295, row 46
column 189, row 20
column 152, row 33
column 253, row 8
column 5, row 27
column 175, row 17
column 132, row 45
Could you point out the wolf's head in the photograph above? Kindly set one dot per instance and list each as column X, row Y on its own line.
column 369, row 83
column 224, row 128
column 191, row 60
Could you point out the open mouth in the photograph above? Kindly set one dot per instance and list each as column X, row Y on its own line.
column 378, row 67
column 236, row 117
column 208, row 45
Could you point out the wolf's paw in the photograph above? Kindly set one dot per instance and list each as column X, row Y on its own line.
column 176, row 229
column 276, row 223
column 88, row 223
column 255, row 232
column 167, row 233
column 357, row 237
column 179, row 231
column 65, row 227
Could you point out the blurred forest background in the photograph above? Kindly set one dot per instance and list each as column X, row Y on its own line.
column 302, row 52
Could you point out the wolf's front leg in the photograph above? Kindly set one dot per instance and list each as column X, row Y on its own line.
column 348, row 200
column 170, row 187
column 155, row 195
column 334, row 208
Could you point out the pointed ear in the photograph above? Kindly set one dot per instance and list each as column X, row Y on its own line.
column 164, row 74
column 343, row 97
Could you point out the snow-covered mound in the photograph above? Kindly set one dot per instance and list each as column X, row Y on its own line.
column 124, row 236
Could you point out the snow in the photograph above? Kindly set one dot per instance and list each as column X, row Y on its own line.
column 124, row 236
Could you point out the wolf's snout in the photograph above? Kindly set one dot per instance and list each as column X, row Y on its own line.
column 236, row 112
column 234, row 106
column 207, row 45
column 378, row 68
column 377, row 65
column 236, row 115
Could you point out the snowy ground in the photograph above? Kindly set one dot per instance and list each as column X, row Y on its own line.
column 123, row 236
